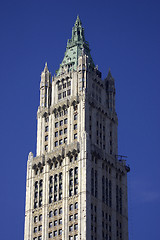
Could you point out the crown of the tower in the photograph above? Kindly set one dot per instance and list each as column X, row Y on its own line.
column 76, row 46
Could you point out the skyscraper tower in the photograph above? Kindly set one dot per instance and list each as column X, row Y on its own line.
column 76, row 185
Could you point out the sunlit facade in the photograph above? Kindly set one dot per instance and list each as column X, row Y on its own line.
column 76, row 186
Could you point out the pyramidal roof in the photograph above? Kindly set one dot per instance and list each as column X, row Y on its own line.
column 76, row 47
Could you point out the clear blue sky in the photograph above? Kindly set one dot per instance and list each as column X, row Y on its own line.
column 123, row 35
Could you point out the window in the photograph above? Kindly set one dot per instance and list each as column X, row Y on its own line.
column 40, row 228
column 65, row 121
column 36, row 185
column 71, row 218
column 55, row 233
column 70, row 237
column 59, row 96
column 40, row 203
column 64, row 85
column 71, row 228
column 50, row 224
column 60, row 221
column 76, row 157
column 71, row 182
column 51, row 190
column 35, row 205
column 76, row 237
column 50, row 235
column 40, row 217
column 46, row 147
column 76, row 227
column 65, row 130
column 46, row 129
column 40, row 193
column 60, row 232
column 59, row 87
column 51, row 179
column 40, row 238
column 75, row 117
column 65, row 140
column 71, row 207
column 75, row 136
column 92, row 217
column 60, row 176
column 64, row 94
column 55, row 212
column 60, row 141
column 76, row 205
column 71, row 192
column 75, row 126
column 50, row 214
column 68, row 92
column 35, row 230
column 55, row 223
column 60, row 132
column 65, row 111
column 35, row 219
column 56, row 143
column 95, row 208
column 76, row 191
column 50, row 199
column 71, row 159
column 46, row 138
column 60, row 186
column 71, row 172
column 60, row 196
column 76, row 170
column 61, row 123
column 56, row 124
column 76, row 216
column 60, row 211
column 40, row 183
column 69, row 84
column 56, row 134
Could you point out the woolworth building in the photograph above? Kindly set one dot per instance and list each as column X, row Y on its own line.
column 76, row 186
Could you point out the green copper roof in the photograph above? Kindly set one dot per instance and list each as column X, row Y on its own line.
column 76, row 46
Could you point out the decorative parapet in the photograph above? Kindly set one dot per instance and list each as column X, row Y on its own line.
column 59, row 154
column 38, row 163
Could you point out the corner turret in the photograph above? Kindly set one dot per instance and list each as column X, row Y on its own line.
column 45, row 88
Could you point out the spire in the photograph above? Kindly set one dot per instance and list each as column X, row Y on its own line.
column 76, row 47
column 77, row 33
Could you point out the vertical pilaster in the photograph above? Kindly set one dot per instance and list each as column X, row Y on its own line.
column 29, row 199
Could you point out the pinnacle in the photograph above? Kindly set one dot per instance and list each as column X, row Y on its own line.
column 46, row 67
column 109, row 76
